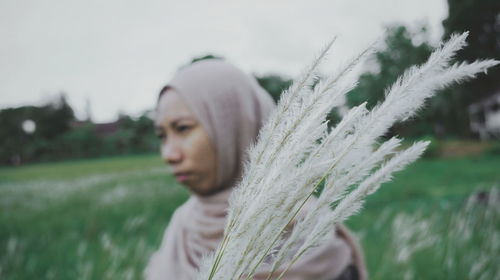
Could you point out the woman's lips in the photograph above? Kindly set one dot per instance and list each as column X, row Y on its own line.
column 182, row 176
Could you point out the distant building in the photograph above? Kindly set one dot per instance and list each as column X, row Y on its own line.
column 101, row 129
column 106, row 129
column 485, row 117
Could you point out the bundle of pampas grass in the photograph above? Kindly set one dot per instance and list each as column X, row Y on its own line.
column 296, row 153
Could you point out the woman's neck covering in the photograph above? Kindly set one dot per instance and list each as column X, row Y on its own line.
column 232, row 107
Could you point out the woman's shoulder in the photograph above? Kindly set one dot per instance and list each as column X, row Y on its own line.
column 181, row 211
column 176, row 221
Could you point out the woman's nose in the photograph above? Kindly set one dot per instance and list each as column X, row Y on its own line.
column 171, row 153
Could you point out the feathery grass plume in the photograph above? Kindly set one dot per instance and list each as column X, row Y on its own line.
column 296, row 152
column 464, row 239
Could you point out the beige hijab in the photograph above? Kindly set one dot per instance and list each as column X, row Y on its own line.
column 231, row 106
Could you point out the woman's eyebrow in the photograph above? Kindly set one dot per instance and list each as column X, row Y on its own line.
column 174, row 122
column 179, row 119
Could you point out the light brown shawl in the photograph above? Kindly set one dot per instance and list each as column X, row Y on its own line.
column 231, row 106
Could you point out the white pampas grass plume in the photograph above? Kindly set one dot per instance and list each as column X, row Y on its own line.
column 296, row 152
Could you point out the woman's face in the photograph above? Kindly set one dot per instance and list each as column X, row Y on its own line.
column 185, row 145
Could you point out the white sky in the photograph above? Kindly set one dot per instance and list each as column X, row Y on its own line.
column 118, row 53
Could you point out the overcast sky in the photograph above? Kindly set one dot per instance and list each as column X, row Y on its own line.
column 118, row 53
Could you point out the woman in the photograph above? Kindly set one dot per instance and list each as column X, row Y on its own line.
column 206, row 118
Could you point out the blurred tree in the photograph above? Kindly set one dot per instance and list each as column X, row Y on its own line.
column 446, row 114
column 12, row 136
column 79, row 142
column 144, row 129
column 50, row 121
column 137, row 135
column 204, row 57
column 482, row 20
column 274, row 84
column 401, row 50
column 200, row 58
column 54, row 118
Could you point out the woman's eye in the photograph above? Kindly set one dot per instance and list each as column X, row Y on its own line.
column 183, row 128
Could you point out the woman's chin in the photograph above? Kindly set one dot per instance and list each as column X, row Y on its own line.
column 200, row 191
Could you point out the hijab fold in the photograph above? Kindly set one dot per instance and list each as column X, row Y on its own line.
column 232, row 107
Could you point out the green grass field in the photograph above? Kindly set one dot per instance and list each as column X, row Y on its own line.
column 101, row 219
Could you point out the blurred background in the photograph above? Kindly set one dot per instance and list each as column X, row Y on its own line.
column 85, row 195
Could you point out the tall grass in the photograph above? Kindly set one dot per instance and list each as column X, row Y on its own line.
column 108, row 229
column 462, row 242
column 102, row 222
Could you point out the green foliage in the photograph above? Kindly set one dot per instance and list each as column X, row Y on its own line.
column 58, row 136
column 142, row 130
column 274, row 84
column 402, row 49
column 77, row 143
column 481, row 18
column 204, row 57
column 51, row 120
column 493, row 149
column 446, row 114
column 132, row 136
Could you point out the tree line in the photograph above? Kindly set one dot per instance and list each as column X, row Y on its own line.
column 52, row 132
